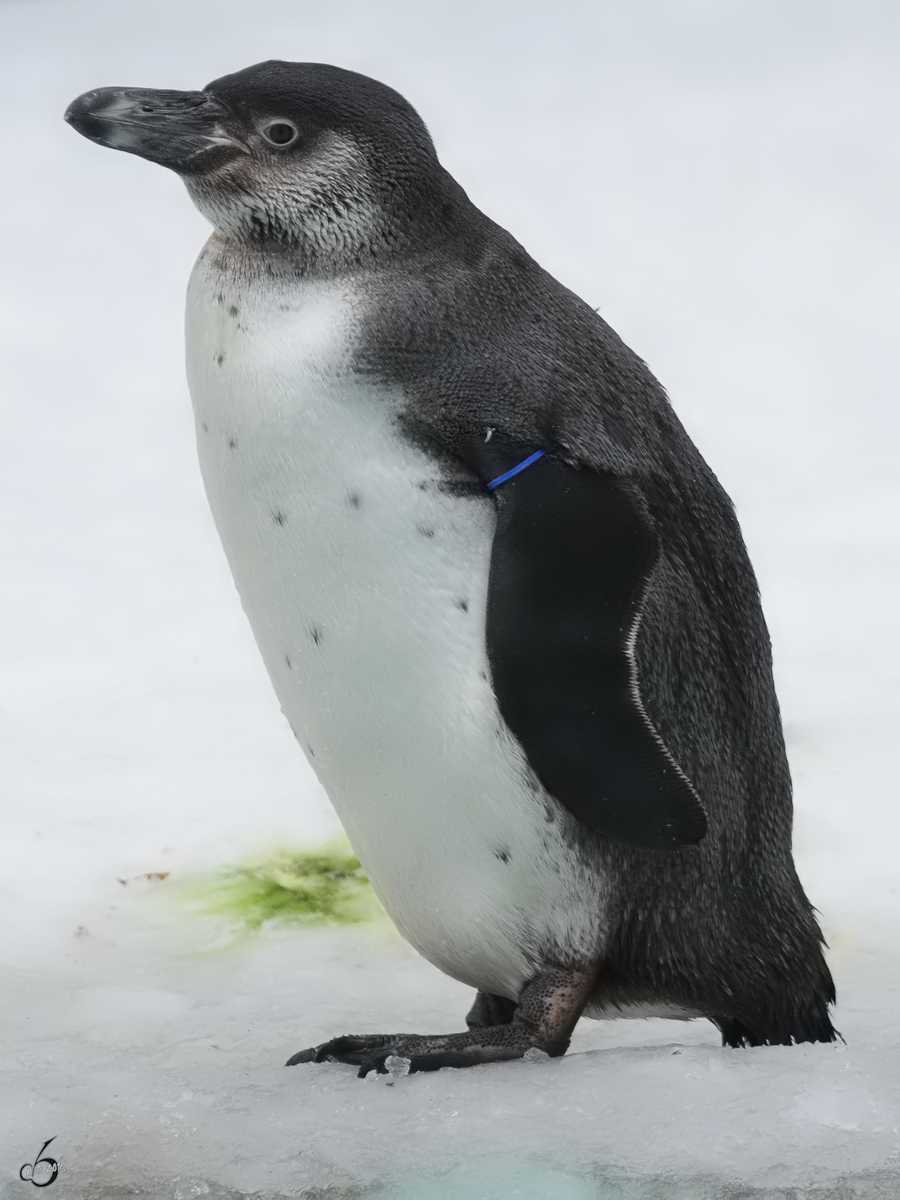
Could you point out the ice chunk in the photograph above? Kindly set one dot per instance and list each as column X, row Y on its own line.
column 534, row 1055
column 397, row 1066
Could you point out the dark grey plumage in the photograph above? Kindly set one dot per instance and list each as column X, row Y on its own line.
column 723, row 926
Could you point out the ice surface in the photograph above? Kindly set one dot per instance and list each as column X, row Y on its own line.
column 722, row 181
column 158, row 1066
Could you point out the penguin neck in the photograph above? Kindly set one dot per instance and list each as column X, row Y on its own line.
column 348, row 234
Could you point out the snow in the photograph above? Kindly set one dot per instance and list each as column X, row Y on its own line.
column 722, row 180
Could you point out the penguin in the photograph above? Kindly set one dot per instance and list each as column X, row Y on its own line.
column 503, row 601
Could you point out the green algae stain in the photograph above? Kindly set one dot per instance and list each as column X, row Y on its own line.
column 325, row 886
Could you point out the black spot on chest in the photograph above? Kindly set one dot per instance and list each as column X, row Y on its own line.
column 316, row 634
column 279, row 517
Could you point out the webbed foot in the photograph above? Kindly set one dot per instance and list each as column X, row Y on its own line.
column 543, row 1019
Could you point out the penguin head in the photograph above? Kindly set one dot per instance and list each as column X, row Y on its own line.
column 285, row 153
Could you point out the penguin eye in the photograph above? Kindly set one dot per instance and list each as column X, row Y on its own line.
column 280, row 133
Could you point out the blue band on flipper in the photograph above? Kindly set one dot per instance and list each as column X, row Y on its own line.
column 526, row 462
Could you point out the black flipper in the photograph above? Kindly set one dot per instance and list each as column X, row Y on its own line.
column 571, row 558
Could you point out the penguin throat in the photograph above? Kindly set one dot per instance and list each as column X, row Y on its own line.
column 325, row 211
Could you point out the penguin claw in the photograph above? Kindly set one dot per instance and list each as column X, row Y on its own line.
column 302, row 1056
column 352, row 1049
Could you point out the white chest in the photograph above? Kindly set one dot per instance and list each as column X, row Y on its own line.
column 365, row 584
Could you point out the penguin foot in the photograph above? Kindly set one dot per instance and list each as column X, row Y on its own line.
column 544, row 1018
column 412, row 1053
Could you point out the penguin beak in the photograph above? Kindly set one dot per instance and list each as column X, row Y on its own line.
column 179, row 130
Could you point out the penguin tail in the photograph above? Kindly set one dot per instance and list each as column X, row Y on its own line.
column 782, row 1022
column 737, row 1033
